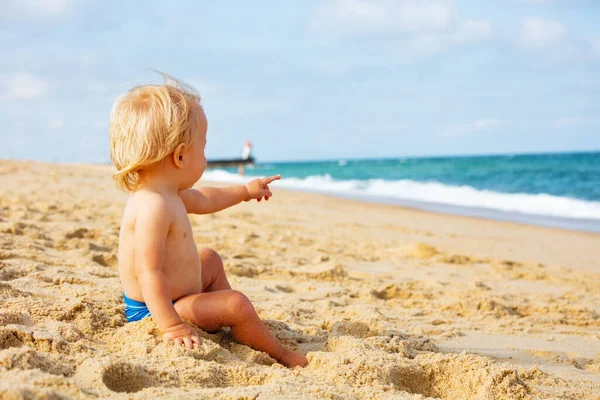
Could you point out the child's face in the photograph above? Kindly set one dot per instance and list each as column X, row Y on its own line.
column 196, row 150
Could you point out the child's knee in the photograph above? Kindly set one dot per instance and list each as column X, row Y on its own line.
column 209, row 256
column 240, row 306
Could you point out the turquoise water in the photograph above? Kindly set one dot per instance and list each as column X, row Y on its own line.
column 547, row 189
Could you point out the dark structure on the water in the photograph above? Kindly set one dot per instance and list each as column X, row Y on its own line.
column 246, row 159
column 234, row 162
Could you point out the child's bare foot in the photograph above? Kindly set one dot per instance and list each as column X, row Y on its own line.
column 292, row 359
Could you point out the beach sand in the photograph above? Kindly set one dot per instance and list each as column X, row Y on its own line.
column 387, row 302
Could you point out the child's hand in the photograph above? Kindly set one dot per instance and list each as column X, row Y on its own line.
column 182, row 335
column 259, row 188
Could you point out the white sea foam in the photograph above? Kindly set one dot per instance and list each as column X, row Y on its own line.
column 434, row 192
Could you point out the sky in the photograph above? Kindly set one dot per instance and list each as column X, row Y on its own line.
column 308, row 80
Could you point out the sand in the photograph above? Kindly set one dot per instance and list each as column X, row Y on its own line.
column 387, row 303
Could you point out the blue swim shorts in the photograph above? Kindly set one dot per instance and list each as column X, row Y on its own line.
column 135, row 310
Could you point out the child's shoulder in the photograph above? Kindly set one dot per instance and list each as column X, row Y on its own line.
column 149, row 211
column 148, row 202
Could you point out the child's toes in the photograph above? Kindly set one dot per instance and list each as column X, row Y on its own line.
column 292, row 359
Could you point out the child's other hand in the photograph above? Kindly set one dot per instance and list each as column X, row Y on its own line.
column 182, row 335
column 259, row 188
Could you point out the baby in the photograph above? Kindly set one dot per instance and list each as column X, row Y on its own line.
column 157, row 141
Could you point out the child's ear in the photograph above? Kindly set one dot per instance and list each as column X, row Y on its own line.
column 178, row 155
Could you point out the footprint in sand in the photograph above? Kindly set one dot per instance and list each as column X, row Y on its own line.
column 25, row 358
column 448, row 376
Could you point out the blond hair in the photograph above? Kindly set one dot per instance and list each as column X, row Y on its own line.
column 147, row 124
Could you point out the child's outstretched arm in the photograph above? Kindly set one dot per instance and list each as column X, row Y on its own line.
column 208, row 200
column 151, row 229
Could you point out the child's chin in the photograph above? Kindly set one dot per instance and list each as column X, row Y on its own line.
column 193, row 183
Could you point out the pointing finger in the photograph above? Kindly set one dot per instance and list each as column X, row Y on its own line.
column 188, row 342
column 271, row 179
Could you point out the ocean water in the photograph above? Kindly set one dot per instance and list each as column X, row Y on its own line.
column 560, row 190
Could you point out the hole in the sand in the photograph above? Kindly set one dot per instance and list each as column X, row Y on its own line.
column 7, row 291
column 9, row 339
column 14, row 318
column 126, row 378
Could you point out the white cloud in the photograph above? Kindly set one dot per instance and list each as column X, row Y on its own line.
column 384, row 15
column 468, row 31
column 47, row 7
column 595, row 43
column 424, row 15
column 56, row 124
column 26, row 86
column 37, row 9
column 353, row 14
column 456, row 130
column 472, row 30
column 568, row 121
column 538, row 33
column 422, row 26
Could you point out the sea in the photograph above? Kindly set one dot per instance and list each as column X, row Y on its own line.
column 556, row 190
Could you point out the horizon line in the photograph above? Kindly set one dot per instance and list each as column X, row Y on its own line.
column 421, row 156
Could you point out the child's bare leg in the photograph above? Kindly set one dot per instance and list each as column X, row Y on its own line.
column 213, row 310
column 213, row 274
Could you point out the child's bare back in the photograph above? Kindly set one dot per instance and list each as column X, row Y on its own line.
column 180, row 253
column 158, row 135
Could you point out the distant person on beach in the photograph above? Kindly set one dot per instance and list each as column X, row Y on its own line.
column 157, row 141
column 247, row 150
column 246, row 153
